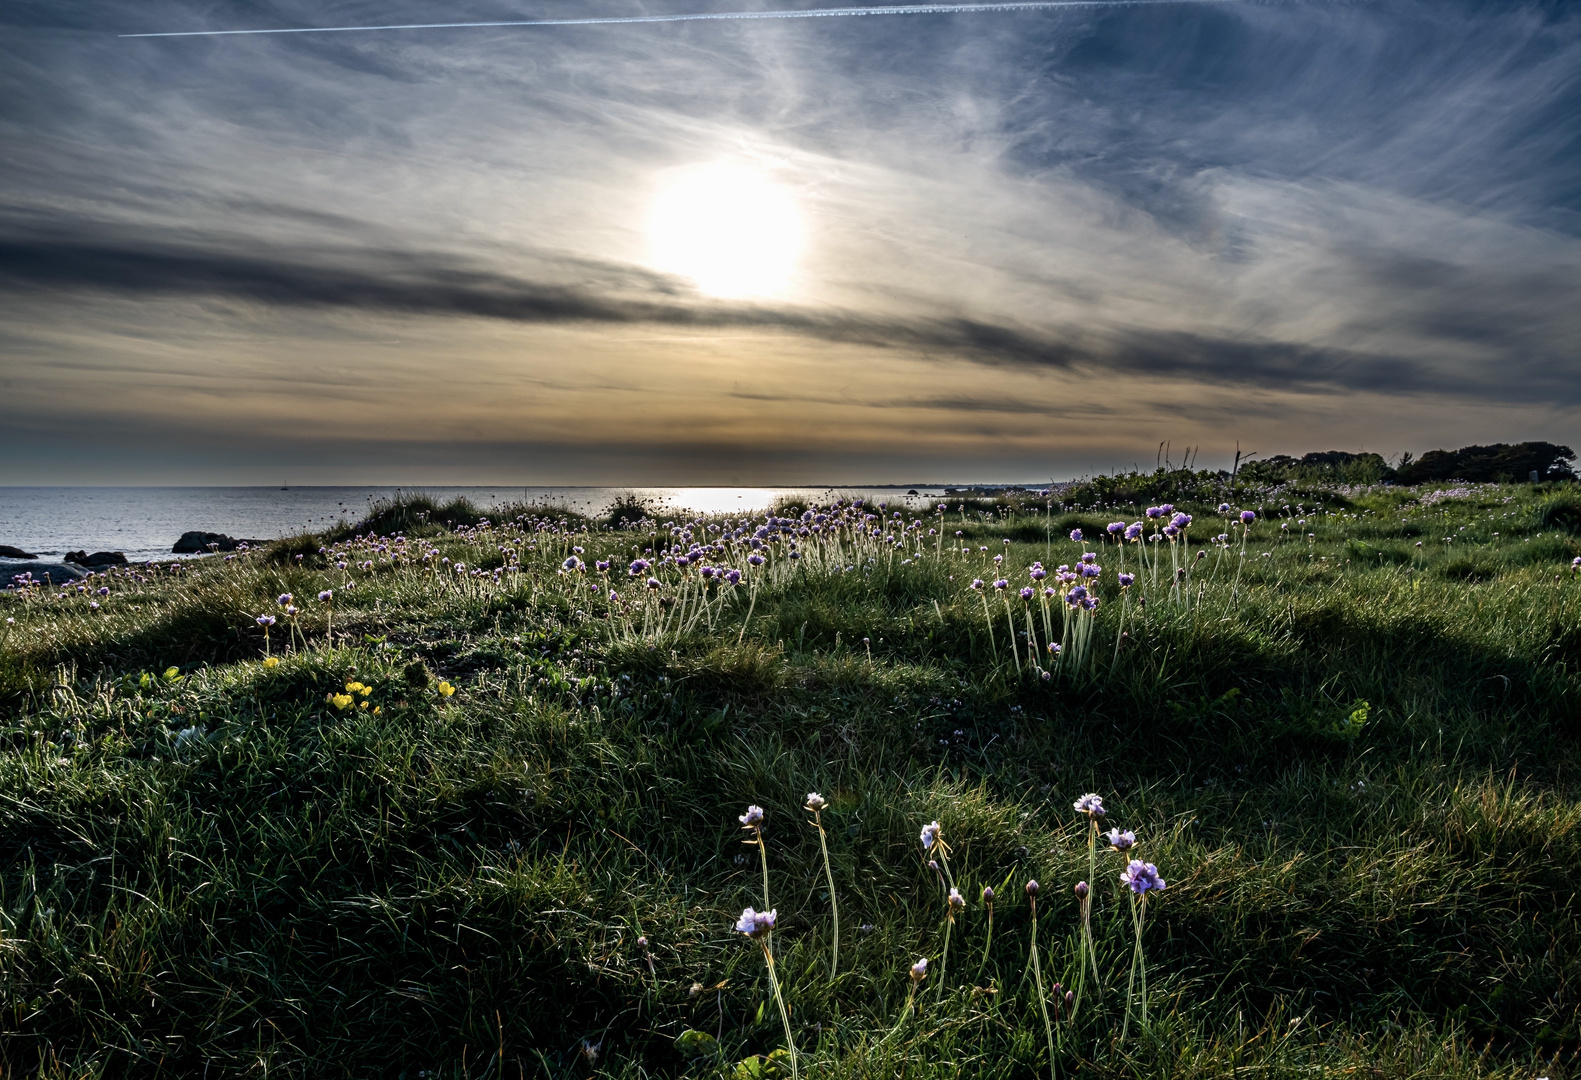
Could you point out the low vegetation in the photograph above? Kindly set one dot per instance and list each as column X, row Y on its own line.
column 450, row 794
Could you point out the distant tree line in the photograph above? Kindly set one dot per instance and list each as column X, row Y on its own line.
column 1500, row 462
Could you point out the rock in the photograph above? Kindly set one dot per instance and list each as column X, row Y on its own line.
column 201, row 543
column 54, row 573
column 98, row 558
column 9, row 552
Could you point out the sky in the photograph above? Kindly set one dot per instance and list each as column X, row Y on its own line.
column 1012, row 246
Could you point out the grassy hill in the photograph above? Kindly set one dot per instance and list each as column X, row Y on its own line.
column 469, row 814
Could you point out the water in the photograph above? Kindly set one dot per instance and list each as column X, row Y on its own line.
column 144, row 522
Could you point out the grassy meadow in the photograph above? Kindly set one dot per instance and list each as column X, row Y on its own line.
column 461, row 812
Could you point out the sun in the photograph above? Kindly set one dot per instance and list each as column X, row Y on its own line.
column 729, row 228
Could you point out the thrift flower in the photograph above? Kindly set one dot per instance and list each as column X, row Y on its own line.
column 1139, row 877
column 756, row 924
column 816, row 802
column 919, row 970
column 1091, row 805
column 1121, row 841
column 752, row 819
column 930, row 835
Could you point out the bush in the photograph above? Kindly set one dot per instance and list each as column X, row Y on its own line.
column 1497, row 463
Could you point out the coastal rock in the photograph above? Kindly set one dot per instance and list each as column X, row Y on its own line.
column 98, row 558
column 52, row 573
column 198, row 543
column 9, row 552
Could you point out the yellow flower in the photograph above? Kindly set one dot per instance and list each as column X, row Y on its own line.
column 376, row 710
column 271, row 661
column 353, row 687
column 445, row 689
column 364, row 690
column 362, row 704
column 340, row 701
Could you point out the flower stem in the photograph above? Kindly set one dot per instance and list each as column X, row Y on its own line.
column 1037, row 975
column 834, row 908
column 944, row 956
column 779, row 999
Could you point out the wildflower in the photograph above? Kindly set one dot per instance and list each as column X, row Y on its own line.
column 1091, row 805
column 1027, row 592
column 1001, row 584
column 756, row 924
column 977, row 583
column 988, row 894
column 271, row 661
column 1032, row 889
column 104, row 590
column 445, row 689
column 1140, row 877
column 1115, row 528
column 956, row 901
column 752, row 819
column 340, row 701
column 1121, row 841
column 930, row 835
column 1081, row 890
column 1225, row 508
column 1247, row 517
column 1126, row 580
column 265, row 620
column 816, row 802
column 1075, row 534
column 572, row 565
column 326, row 596
column 284, row 599
column 1055, row 648
column 919, row 970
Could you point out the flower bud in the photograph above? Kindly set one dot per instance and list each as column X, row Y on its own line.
column 988, row 894
column 1032, row 889
column 1081, row 890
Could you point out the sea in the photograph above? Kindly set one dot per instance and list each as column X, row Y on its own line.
column 143, row 523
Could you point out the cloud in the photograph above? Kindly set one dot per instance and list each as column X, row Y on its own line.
column 1123, row 216
column 578, row 291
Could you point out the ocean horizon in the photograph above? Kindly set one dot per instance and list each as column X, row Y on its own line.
column 144, row 522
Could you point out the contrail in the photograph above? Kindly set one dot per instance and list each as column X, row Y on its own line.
column 711, row 16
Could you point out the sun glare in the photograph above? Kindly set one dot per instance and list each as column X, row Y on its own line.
column 729, row 228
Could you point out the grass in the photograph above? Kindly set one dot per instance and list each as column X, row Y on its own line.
column 1352, row 758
